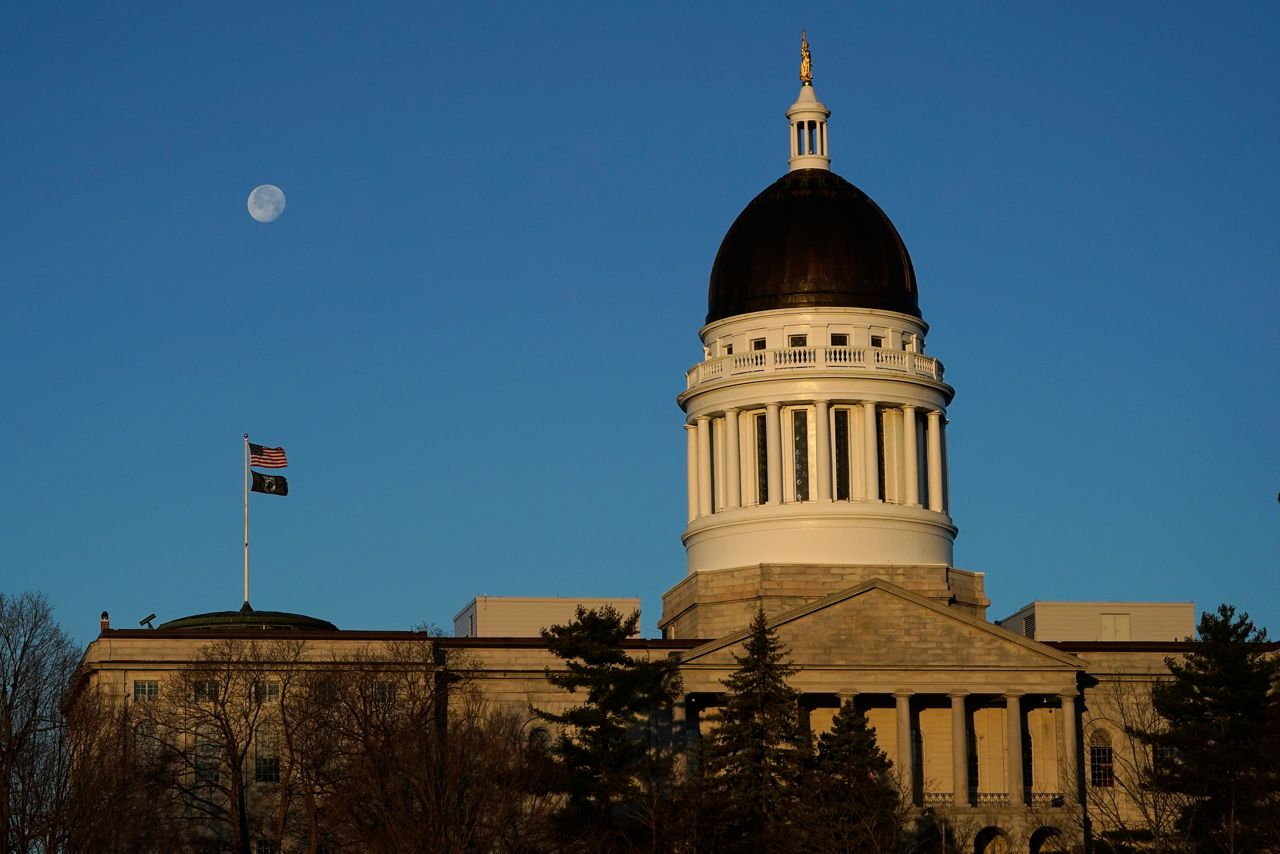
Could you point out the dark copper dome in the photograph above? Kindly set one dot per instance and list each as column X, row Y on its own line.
column 811, row 240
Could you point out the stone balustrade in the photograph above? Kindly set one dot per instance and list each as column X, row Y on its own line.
column 858, row 360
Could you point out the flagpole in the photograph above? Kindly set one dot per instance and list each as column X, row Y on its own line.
column 246, row 518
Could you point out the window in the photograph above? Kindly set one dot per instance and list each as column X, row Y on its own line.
column 800, row 447
column 144, row 739
column 762, row 461
column 206, row 692
column 264, row 846
column 1028, row 760
column 882, row 482
column 728, row 349
column 757, row 343
column 1029, row 626
column 842, row 454
column 384, row 691
column 797, row 340
column 907, row 338
column 540, row 739
column 145, row 689
column 266, row 755
column 839, row 339
column 206, row 758
column 877, row 340
column 266, row 692
column 1101, row 761
column 1163, row 758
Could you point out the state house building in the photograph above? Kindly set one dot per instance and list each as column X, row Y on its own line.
column 817, row 489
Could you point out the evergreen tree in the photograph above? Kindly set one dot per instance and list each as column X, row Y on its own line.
column 757, row 751
column 610, row 752
column 1221, row 742
column 855, row 802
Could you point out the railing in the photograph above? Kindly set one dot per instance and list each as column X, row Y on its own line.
column 1047, row 799
column 937, row 799
column 993, row 799
column 855, row 359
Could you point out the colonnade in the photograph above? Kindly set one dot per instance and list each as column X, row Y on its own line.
column 703, row 479
column 964, row 791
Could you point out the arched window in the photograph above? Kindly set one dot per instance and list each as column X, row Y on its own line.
column 1101, row 762
column 540, row 738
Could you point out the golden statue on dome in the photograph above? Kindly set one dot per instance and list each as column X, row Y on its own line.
column 806, row 61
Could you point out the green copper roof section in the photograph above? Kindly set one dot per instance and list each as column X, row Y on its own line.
column 247, row 618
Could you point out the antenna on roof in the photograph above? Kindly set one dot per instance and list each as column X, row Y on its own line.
column 146, row 621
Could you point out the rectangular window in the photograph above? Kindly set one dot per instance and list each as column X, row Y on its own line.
column 762, row 461
column 906, row 341
column 797, row 340
column 206, row 759
column 728, row 349
column 800, row 443
column 1028, row 761
column 757, row 344
column 842, row 454
column 266, row 755
column 880, row 458
column 839, row 339
column 145, row 689
column 1101, row 766
column 206, row 692
column 267, row 692
column 384, row 691
column 264, row 846
column 877, row 341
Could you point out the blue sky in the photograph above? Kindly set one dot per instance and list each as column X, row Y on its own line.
column 470, row 324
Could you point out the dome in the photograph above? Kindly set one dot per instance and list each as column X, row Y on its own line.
column 811, row 240
column 247, row 618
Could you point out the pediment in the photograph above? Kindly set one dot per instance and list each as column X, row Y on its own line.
column 879, row 625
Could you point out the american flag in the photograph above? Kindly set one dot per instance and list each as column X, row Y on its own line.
column 267, row 458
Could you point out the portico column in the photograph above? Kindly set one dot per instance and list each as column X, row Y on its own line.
column 704, row 466
column 773, row 446
column 911, row 457
column 959, row 749
column 905, row 765
column 691, row 441
column 732, row 461
column 823, row 437
column 1013, row 716
column 870, row 455
column 1069, row 763
column 934, row 451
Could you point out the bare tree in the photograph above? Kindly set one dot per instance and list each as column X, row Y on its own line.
column 36, row 663
column 201, row 731
column 1123, row 804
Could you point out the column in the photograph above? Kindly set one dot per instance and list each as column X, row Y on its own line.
column 934, row 451
column 691, row 440
column 847, row 695
column 959, row 749
column 732, row 461
column 911, row 456
column 904, row 764
column 870, row 452
column 773, row 445
column 1013, row 773
column 821, row 415
column 704, row 465
column 1069, row 756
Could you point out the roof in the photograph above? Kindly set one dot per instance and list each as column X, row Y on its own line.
column 810, row 240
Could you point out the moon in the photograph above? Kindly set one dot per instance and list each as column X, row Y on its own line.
column 266, row 203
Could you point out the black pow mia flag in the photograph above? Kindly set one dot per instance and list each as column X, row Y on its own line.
column 271, row 484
